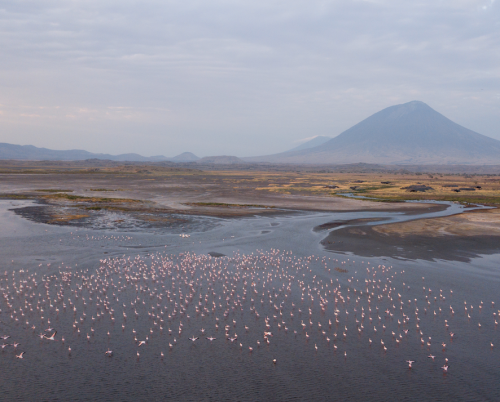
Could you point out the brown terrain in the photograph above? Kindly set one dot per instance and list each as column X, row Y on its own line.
column 186, row 191
column 474, row 223
column 72, row 191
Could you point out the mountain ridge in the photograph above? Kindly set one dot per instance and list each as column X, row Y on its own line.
column 30, row 152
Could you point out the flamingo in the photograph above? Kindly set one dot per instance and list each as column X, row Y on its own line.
column 51, row 338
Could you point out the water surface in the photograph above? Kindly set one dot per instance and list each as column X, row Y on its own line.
column 276, row 261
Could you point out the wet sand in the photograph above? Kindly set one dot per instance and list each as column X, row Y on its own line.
column 455, row 238
column 468, row 224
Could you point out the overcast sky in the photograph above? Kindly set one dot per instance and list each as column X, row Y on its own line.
column 241, row 78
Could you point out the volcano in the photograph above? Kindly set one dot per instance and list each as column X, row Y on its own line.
column 411, row 133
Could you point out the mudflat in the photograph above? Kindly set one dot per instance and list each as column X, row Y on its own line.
column 76, row 192
column 182, row 191
column 457, row 237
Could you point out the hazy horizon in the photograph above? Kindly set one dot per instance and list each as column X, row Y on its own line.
column 224, row 78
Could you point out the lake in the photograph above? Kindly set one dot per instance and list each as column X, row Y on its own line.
column 321, row 325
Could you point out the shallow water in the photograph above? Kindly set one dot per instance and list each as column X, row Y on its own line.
column 66, row 257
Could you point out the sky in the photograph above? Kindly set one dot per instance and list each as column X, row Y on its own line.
column 244, row 78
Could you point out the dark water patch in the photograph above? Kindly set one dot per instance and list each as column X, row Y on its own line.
column 216, row 254
column 350, row 222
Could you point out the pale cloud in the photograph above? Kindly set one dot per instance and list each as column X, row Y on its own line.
column 225, row 77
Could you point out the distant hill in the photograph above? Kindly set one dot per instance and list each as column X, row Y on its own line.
column 220, row 160
column 185, row 157
column 30, row 152
column 409, row 134
column 314, row 142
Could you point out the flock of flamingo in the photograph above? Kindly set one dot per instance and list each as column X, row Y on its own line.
column 244, row 301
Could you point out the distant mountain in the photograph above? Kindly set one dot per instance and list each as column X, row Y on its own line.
column 411, row 133
column 185, row 157
column 314, row 142
column 220, row 160
column 30, row 152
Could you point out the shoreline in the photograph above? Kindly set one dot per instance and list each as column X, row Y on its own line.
column 455, row 238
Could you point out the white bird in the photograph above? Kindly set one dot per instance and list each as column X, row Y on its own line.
column 193, row 338
column 51, row 338
column 108, row 353
column 20, row 356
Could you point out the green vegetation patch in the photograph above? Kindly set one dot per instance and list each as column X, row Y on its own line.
column 362, row 190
